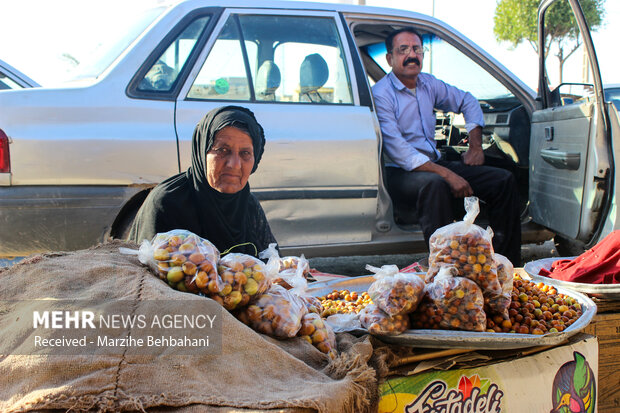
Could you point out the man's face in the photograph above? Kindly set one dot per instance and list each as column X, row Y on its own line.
column 405, row 65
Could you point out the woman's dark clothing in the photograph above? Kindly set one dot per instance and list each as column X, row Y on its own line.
column 187, row 201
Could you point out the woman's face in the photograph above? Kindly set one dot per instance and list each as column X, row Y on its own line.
column 230, row 160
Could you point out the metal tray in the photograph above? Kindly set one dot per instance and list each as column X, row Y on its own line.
column 469, row 339
column 609, row 291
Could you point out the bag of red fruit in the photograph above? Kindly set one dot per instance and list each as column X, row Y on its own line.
column 459, row 301
column 395, row 292
column 466, row 247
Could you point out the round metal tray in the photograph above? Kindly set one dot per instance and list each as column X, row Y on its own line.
column 468, row 339
column 609, row 291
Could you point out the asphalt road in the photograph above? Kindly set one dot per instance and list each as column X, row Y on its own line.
column 356, row 265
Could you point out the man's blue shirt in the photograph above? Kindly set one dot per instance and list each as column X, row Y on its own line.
column 407, row 120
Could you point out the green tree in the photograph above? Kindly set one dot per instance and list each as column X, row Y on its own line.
column 516, row 21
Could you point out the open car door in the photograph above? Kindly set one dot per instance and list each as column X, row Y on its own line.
column 571, row 159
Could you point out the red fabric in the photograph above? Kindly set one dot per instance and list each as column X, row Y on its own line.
column 415, row 267
column 599, row 265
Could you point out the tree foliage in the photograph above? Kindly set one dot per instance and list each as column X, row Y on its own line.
column 516, row 22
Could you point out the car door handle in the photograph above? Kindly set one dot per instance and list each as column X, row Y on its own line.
column 560, row 159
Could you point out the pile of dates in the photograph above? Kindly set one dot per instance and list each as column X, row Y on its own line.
column 536, row 308
column 344, row 302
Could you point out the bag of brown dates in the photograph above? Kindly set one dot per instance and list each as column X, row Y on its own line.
column 378, row 322
column 395, row 292
column 288, row 268
column 459, row 301
column 180, row 257
column 466, row 247
column 277, row 313
column 318, row 333
column 243, row 279
column 499, row 303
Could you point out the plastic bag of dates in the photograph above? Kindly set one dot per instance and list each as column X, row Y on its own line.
column 277, row 313
column 290, row 270
column 458, row 300
column 378, row 322
column 498, row 304
column 318, row 333
column 179, row 257
column 395, row 292
column 243, row 279
column 466, row 247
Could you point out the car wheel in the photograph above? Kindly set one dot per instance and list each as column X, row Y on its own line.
column 568, row 247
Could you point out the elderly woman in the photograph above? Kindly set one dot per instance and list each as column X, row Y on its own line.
column 212, row 198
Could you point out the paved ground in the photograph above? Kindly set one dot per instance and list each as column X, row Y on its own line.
column 355, row 265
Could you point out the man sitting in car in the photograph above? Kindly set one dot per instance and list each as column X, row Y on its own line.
column 417, row 175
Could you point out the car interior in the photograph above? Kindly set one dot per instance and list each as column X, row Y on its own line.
column 506, row 135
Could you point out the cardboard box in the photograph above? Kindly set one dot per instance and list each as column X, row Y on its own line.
column 606, row 327
column 561, row 376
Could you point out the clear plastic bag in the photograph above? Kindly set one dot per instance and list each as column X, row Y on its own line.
column 459, row 301
column 466, row 247
column 277, row 313
column 243, row 279
column 291, row 271
column 342, row 323
column 376, row 321
column 318, row 333
column 395, row 292
column 498, row 304
column 179, row 257
column 313, row 304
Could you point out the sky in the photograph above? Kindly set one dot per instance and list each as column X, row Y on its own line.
column 41, row 37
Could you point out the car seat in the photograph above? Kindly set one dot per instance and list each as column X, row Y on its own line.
column 268, row 79
column 313, row 73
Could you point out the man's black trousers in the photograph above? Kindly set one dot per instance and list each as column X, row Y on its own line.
column 430, row 195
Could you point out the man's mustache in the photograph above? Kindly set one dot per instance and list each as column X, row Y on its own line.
column 411, row 60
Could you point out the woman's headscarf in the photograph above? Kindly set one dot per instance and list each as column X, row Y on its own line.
column 187, row 201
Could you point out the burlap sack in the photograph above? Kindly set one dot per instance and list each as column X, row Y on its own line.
column 253, row 372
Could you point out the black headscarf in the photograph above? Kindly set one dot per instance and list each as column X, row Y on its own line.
column 187, row 201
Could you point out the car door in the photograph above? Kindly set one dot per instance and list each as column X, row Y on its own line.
column 571, row 161
column 318, row 178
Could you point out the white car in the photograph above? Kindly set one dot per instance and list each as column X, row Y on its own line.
column 78, row 161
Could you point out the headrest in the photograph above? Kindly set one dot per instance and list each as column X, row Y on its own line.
column 267, row 79
column 313, row 73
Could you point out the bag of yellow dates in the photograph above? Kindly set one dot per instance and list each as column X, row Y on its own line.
column 378, row 322
column 459, row 301
column 243, row 278
column 466, row 247
column 179, row 257
column 277, row 313
column 500, row 303
column 395, row 292
column 318, row 333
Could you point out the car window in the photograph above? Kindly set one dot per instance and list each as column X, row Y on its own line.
column 7, row 83
column 613, row 95
column 164, row 72
column 280, row 59
column 449, row 64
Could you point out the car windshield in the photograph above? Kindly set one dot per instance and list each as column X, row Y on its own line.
column 115, row 42
column 452, row 66
column 77, row 45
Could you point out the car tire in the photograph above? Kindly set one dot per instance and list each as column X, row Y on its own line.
column 568, row 247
